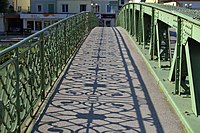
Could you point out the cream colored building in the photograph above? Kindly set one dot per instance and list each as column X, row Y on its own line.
column 73, row 6
column 20, row 5
column 46, row 12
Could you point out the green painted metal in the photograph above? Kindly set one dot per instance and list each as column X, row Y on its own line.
column 35, row 64
column 181, row 63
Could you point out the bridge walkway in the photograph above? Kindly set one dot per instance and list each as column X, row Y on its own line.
column 108, row 88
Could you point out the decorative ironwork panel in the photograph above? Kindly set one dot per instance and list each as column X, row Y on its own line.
column 29, row 68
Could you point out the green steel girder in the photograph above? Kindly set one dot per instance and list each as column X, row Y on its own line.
column 183, row 63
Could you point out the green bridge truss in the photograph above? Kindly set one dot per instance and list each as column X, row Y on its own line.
column 30, row 69
column 149, row 25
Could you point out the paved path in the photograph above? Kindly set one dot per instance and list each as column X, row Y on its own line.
column 108, row 89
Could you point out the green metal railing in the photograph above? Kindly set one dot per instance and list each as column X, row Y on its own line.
column 29, row 69
column 149, row 24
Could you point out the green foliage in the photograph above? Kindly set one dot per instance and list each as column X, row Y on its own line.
column 2, row 47
column 8, row 55
column 3, row 6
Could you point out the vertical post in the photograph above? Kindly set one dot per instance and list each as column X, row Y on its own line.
column 169, row 43
column 57, row 48
column 132, row 18
column 69, row 37
column 18, row 107
column 124, row 18
column 140, row 25
column 128, row 18
column 42, row 80
column 152, row 41
column 158, row 45
column 142, row 28
column 65, row 40
column 134, row 21
column 178, row 58
column 193, row 83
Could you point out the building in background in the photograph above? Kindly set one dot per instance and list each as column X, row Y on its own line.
column 106, row 10
column 73, row 6
column 10, row 22
column 20, row 5
column 34, row 15
column 46, row 12
column 191, row 4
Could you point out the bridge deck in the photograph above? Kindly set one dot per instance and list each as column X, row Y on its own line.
column 108, row 89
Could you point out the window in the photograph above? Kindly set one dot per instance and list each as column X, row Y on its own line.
column 50, row 8
column 108, row 23
column 108, row 8
column 19, row 8
column 82, row 8
column 64, row 8
column 97, row 9
column 122, row 2
column 39, row 8
column 38, row 25
column 30, row 25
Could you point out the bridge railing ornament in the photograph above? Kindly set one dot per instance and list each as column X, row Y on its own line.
column 152, row 26
column 30, row 68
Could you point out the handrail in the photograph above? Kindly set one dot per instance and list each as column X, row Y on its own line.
column 36, row 34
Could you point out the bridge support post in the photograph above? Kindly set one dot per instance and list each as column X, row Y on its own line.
column 192, row 55
column 152, row 50
column 140, row 26
column 158, row 44
column 178, row 58
column 131, row 19
column 134, row 21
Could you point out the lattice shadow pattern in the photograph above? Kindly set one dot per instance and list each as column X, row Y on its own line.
column 101, row 92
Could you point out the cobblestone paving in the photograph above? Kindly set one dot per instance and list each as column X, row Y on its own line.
column 103, row 92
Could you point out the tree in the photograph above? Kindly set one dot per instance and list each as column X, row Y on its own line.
column 3, row 6
column 3, row 10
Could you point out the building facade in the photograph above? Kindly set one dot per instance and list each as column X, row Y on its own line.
column 34, row 15
column 46, row 12
column 21, row 5
column 10, row 22
column 73, row 6
column 191, row 4
column 43, row 6
column 107, row 11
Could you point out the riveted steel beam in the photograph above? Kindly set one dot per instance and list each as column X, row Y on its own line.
column 181, row 61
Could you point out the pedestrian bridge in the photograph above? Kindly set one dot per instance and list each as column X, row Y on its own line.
column 74, row 76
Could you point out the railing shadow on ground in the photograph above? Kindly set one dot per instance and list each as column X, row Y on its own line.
column 144, row 88
column 97, row 93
